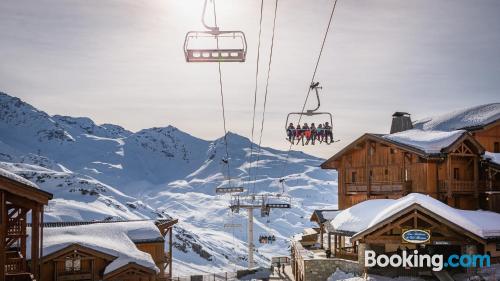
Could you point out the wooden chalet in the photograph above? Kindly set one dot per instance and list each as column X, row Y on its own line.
column 451, row 169
column 20, row 200
column 111, row 251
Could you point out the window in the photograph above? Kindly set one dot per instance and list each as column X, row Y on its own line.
column 393, row 151
column 496, row 147
column 73, row 264
column 406, row 174
column 353, row 177
column 456, row 174
column 386, row 172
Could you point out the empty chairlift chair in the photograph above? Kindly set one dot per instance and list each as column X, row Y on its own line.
column 214, row 45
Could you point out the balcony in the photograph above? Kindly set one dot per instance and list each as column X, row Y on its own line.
column 456, row 186
column 15, row 263
column 70, row 276
column 379, row 187
column 347, row 253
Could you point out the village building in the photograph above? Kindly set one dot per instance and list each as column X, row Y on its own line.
column 20, row 201
column 115, row 250
column 439, row 176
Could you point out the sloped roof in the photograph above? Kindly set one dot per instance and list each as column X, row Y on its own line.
column 470, row 118
column 325, row 215
column 116, row 239
column 364, row 215
column 24, row 184
column 430, row 142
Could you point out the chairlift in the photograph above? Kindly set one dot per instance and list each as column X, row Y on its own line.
column 223, row 190
column 205, row 46
column 267, row 239
column 292, row 134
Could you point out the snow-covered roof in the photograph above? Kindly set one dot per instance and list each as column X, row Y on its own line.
column 427, row 141
column 116, row 239
column 468, row 118
column 492, row 157
column 325, row 215
column 6, row 174
column 369, row 213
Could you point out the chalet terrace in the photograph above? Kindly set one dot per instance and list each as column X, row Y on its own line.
column 440, row 174
column 20, row 198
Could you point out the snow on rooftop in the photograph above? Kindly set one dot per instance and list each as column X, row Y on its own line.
column 115, row 239
column 427, row 141
column 366, row 214
column 14, row 177
column 470, row 117
column 493, row 157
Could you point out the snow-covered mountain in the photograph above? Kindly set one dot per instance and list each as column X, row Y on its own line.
column 105, row 172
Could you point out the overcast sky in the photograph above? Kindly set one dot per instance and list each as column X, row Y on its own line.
column 121, row 61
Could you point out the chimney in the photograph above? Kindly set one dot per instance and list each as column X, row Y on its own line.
column 401, row 121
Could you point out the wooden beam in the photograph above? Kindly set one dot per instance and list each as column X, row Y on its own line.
column 3, row 226
column 35, row 241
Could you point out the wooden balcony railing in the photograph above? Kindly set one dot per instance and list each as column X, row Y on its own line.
column 15, row 263
column 380, row 187
column 15, row 228
column 456, row 186
column 25, row 276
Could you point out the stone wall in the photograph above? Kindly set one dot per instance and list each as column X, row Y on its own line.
column 321, row 269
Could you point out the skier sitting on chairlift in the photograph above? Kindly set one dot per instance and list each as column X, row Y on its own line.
column 328, row 133
column 320, row 133
column 291, row 133
column 312, row 137
column 306, row 132
column 298, row 133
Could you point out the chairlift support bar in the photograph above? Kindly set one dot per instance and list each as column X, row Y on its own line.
column 216, row 54
column 311, row 112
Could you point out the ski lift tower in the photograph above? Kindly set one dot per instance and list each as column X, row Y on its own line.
column 265, row 203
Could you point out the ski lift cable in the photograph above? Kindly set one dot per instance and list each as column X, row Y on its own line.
column 285, row 166
column 222, row 101
column 255, row 92
column 266, row 93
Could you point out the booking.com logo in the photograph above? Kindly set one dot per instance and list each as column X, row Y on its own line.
column 415, row 260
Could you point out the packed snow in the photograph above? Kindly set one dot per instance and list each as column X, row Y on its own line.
column 364, row 215
column 116, row 239
column 427, row 141
column 461, row 119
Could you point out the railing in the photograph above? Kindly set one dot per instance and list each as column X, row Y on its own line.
column 14, row 263
column 224, row 276
column 74, row 276
column 15, row 228
column 456, row 186
column 348, row 253
column 380, row 187
column 19, row 277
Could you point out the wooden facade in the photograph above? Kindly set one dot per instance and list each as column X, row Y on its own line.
column 18, row 200
column 373, row 167
column 79, row 263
